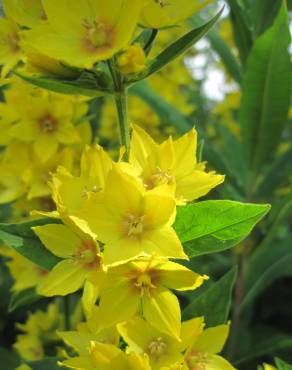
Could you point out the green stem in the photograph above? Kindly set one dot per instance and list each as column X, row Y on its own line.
column 66, row 305
column 121, row 101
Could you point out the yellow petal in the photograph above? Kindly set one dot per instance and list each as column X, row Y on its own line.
column 60, row 240
column 45, row 147
column 161, row 309
column 212, row 340
column 214, row 362
column 176, row 276
column 117, row 304
column 79, row 341
column 65, row 278
column 78, row 363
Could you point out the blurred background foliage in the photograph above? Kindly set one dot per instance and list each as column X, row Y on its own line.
column 234, row 86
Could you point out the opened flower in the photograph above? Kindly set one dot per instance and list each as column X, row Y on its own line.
column 143, row 287
column 86, row 31
column 173, row 165
column 47, row 123
column 131, row 221
column 80, row 257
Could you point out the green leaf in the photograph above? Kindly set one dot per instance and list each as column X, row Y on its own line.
column 45, row 364
column 269, row 346
column 213, row 303
column 281, row 365
column 8, row 360
column 21, row 238
column 263, row 14
column 266, row 92
column 167, row 112
column 227, row 57
column 176, row 49
column 278, row 172
column 216, row 225
column 23, row 298
column 241, row 28
column 87, row 84
column 268, row 263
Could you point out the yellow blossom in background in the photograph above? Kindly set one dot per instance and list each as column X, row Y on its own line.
column 38, row 331
column 10, row 49
column 47, row 124
column 126, row 218
column 39, row 174
column 94, row 31
column 23, row 367
column 13, row 172
column 80, row 256
column 165, row 13
column 24, row 12
column 269, row 367
column 142, row 286
column 25, row 273
column 132, row 60
column 173, row 164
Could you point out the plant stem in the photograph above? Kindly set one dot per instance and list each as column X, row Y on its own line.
column 121, row 101
column 124, row 130
column 66, row 305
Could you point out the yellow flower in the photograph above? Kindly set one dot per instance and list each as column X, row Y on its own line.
column 132, row 60
column 100, row 356
column 172, row 164
column 80, row 256
column 13, row 170
column 10, row 49
column 203, row 352
column 39, row 173
column 23, row 367
column 142, row 286
column 25, row 273
column 24, row 12
column 166, row 13
column 86, row 32
column 46, row 123
column 39, row 330
column 269, row 367
column 70, row 192
column 132, row 222
column 162, row 349
column 8, row 116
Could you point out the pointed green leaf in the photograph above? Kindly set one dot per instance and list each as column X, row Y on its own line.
column 216, row 225
column 213, row 303
column 176, row 49
column 86, row 84
column 21, row 238
column 23, row 298
column 266, row 92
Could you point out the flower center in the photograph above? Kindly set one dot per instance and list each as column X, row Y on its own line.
column 161, row 3
column 11, row 41
column 160, row 177
column 134, row 224
column 98, row 35
column 95, row 189
column 87, row 255
column 197, row 361
column 157, row 348
column 48, row 124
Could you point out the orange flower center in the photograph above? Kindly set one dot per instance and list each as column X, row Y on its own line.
column 160, row 177
column 48, row 124
column 87, row 255
column 134, row 224
column 99, row 35
column 156, row 348
column 196, row 360
column 144, row 281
